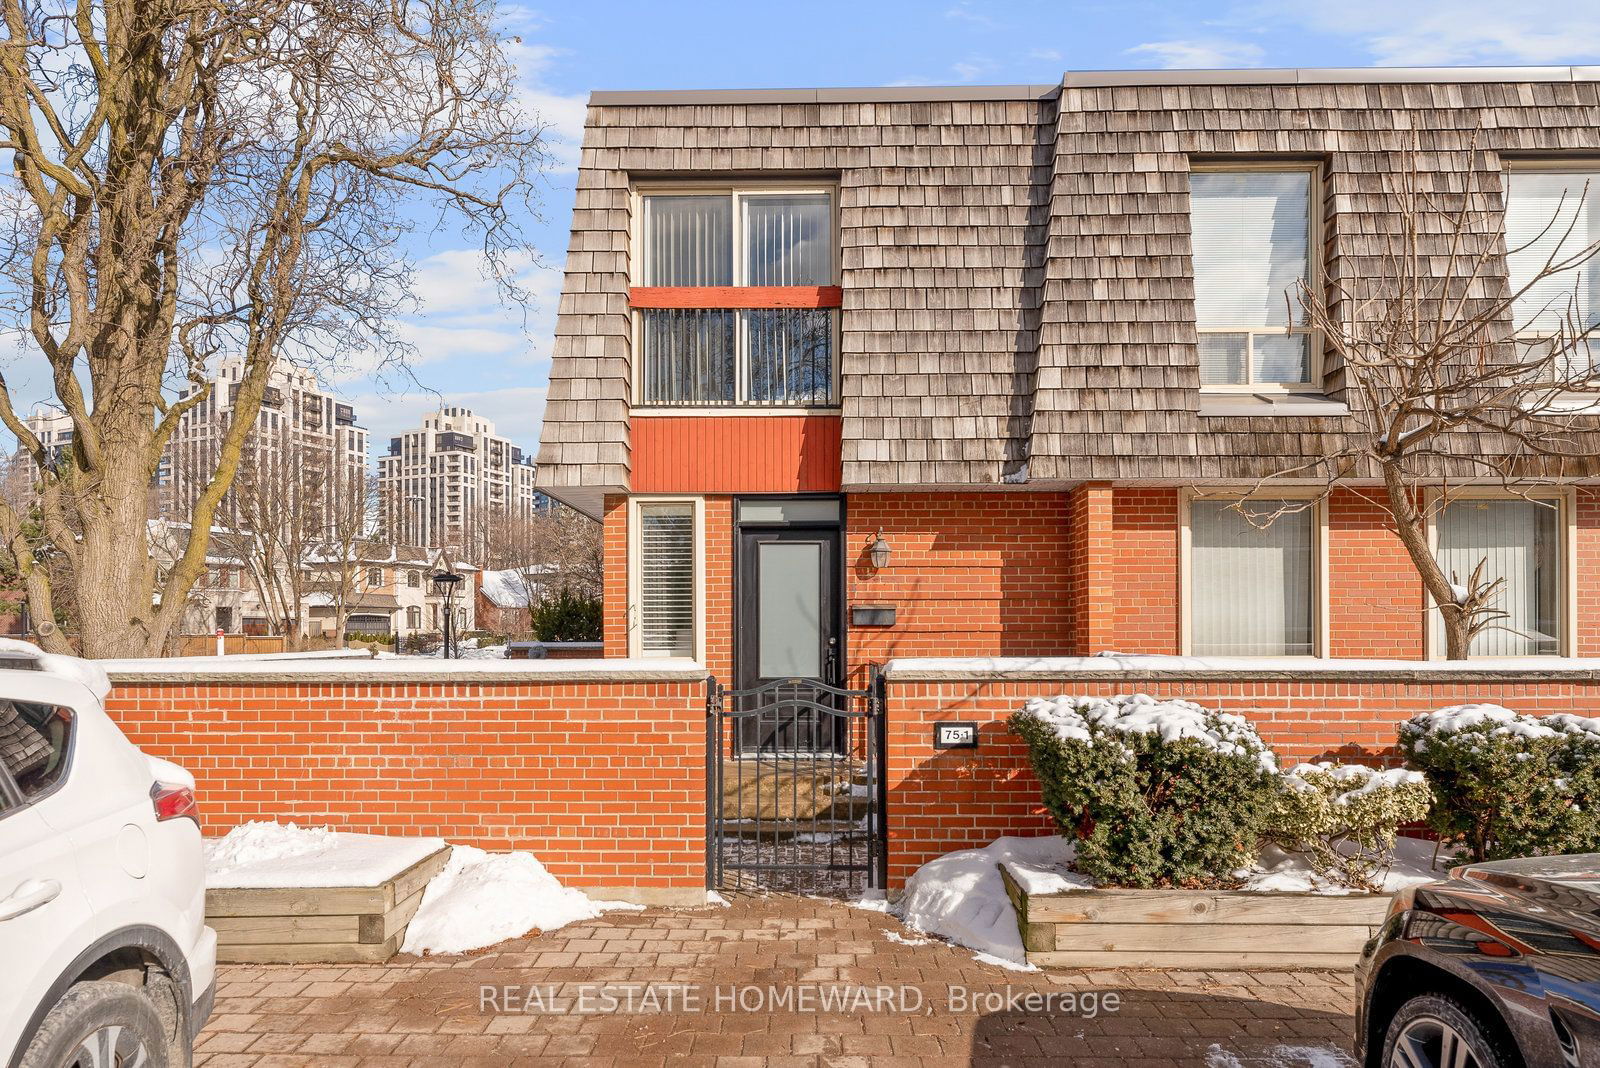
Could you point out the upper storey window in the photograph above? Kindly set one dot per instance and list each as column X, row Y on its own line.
column 737, row 298
column 1252, row 230
column 1553, row 217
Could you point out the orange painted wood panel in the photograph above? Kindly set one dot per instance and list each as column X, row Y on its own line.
column 736, row 454
column 735, row 296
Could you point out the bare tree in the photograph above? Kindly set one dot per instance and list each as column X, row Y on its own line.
column 556, row 549
column 190, row 178
column 348, row 545
column 1452, row 379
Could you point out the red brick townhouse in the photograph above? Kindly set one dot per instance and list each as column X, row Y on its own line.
column 872, row 373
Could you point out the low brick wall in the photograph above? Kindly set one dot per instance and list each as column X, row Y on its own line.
column 942, row 800
column 598, row 768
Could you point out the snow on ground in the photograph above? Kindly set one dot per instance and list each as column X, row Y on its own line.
column 960, row 897
column 262, row 854
column 1281, row 1056
column 481, row 898
column 1282, row 872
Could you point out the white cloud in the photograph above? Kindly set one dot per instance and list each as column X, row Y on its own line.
column 1430, row 32
column 964, row 11
column 1199, row 54
column 561, row 115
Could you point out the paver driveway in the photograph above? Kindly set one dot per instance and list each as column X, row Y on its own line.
column 709, row 987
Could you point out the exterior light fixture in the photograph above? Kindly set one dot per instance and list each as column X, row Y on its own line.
column 879, row 552
column 445, row 583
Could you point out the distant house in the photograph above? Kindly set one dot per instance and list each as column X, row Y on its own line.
column 505, row 597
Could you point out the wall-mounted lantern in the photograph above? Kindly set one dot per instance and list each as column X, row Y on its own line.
column 878, row 552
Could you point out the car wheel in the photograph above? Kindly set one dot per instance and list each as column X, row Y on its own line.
column 1435, row 1031
column 100, row 1025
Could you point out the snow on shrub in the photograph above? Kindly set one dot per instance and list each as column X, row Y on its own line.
column 1342, row 819
column 1506, row 784
column 1156, row 793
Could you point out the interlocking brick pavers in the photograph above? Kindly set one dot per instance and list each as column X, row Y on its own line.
column 707, row 987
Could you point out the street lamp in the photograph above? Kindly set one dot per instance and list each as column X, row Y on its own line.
column 445, row 583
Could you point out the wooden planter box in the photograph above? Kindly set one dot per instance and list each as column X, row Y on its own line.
column 1211, row 929
column 321, row 924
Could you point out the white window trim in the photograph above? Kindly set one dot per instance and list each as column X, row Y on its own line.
column 635, row 585
column 1315, row 226
column 1320, row 638
column 1560, row 165
column 1566, row 498
column 740, row 404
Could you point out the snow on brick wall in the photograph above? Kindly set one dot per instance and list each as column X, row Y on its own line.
column 943, row 800
column 603, row 781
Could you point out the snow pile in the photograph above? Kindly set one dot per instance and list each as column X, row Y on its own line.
column 1360, row 779
column 515, row 587
column 481, row 898
column 960, row 897
column 1290, row 873
column 1280, row 1056
column 263, row 854
column 1084, row 719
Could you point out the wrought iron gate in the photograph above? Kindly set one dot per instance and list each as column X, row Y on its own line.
column 795, row 792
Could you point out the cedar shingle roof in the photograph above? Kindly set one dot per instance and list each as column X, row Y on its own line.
column 1016, row 263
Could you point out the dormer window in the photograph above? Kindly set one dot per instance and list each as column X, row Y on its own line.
column 737, row 302
column 1252, row 239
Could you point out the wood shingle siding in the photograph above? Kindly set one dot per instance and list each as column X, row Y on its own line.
column 1018, row 296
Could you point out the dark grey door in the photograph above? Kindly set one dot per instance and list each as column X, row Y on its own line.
column 789, row 627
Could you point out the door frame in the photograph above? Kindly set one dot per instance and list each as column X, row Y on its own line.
column 741, row 643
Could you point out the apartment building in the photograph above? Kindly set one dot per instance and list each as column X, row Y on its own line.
column 55, row 431
column 446, row 482
column 980, row 371
column 306, row 462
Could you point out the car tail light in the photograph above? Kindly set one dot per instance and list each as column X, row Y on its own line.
column 174, row 802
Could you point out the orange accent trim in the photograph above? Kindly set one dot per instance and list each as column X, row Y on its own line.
column 736, row 296
column 736, row 454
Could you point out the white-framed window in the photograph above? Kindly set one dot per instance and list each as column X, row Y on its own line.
column 1553, row 216
column 1527, row 543
column 1253, row 581
column 1254, row 233
column 738, row 316
column 666, row 578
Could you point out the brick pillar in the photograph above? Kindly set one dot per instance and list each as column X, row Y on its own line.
column 614, row 576
column 1091, row 564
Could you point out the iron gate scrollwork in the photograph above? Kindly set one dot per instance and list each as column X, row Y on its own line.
column 795, row 790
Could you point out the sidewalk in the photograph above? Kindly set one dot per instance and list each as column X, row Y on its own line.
column 774, row 981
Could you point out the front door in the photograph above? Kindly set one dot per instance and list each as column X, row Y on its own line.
column 788, row 617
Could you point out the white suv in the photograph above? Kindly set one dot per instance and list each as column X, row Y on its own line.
column 107, row 957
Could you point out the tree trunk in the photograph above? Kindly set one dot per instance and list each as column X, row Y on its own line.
column 1411, row 524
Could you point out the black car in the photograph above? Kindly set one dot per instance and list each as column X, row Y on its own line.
column 1496, row 966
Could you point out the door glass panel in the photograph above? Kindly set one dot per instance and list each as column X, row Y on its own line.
column 789, row 582
column 805, row 510
column 34, row 742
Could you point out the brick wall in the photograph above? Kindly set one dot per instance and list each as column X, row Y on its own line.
column 957, row 799
column 1587, row 554
column 603, row 781
column 972, row 574
column 1144, row 561
column 1375, row 604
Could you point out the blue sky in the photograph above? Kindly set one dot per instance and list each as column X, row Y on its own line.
column 474, row 351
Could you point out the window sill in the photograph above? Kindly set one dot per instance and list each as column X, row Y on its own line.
column 1271, row 405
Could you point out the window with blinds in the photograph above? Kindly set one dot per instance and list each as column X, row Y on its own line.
column 1252, row 591
column 1521, row 542
column 1552, row 217
column 1252, row 239
column 666, row 579
column 754, row 355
